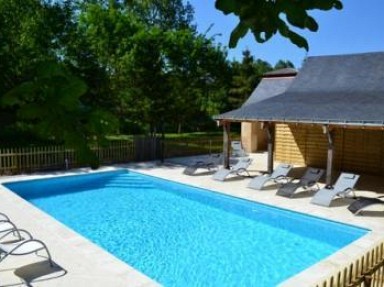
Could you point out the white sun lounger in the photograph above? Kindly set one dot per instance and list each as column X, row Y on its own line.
column 279, row 173
column 6, row 226
column 22, row 246
column 237, row 149
column 239, row 168
column 344, row 185
column 4, row 217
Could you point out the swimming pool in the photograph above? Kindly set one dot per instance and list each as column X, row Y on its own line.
column 185, row 236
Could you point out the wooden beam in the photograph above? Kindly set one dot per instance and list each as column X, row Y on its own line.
column 270, row 129
column 226, row 143
column 330, row 154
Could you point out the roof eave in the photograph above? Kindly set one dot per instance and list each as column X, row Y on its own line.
column 364, row 124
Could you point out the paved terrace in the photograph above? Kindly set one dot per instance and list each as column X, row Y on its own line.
column 82, row 263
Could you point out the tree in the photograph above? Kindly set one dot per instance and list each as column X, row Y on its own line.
column 50, row 106
column 199, row 75
column 31, row 33
column 178, row 74
column 147, row 95
column 266, row 18
column 246, row 76
column 40, row 98
column 284, row 64
column 99, row 51
column 164, row 14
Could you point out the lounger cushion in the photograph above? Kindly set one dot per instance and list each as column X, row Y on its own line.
column 238, row 168
column 288, row 189
column 221, row 174
column 324, row 196
column 344, row 184
column 237, row 149
column 346, row 181
column 212, row 162
column 258, row 182
column 190, row 170
column 310, row 178
column 280, row 172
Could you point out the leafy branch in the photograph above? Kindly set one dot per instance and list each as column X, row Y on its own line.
column 266, row 18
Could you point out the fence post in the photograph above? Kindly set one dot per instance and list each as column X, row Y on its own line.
column 162, row 147
column 367, row 280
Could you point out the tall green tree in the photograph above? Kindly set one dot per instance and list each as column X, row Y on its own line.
column 165, row 14
column 100, row 50
column 148, row 94
column 31, row 32
column 50, row 106
column 199, row 74
column 246, row 76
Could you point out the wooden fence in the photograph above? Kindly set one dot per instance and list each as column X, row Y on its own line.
column 31, row 159
column 189, row 147
column 367, row 271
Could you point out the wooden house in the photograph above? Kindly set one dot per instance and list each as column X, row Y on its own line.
column 331, row 115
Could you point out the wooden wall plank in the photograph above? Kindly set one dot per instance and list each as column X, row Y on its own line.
column 356, row 150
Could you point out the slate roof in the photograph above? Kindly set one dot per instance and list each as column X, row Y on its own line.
column 341, row 90
column 267, row 88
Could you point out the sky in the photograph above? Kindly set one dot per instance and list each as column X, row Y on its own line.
column 358, row 28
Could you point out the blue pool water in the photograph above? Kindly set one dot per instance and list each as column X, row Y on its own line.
column 185, row 236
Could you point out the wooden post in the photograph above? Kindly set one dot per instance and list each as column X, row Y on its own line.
column 270, row 128
column 226, row 143
column 330, row 153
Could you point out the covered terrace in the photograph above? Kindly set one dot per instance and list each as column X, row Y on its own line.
column 341, row 92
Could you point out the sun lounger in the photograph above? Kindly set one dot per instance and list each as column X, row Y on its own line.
column 7, row 225
column 309, row 179
column 280, row 173
column 22, row 246
column 361, row 203
column 14, row 241
column 211, row 163
column 237, row 149
column 4, row 217
column 344, row 185
column 239, row 168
